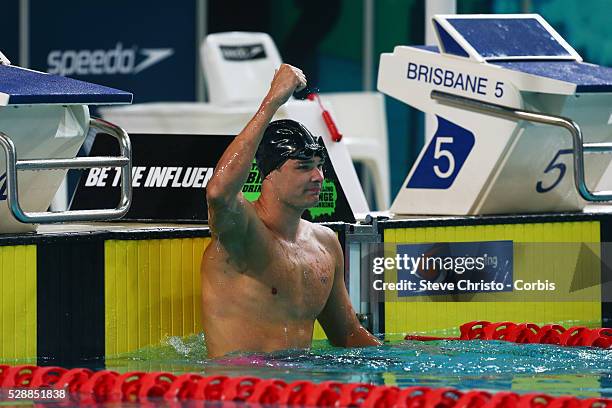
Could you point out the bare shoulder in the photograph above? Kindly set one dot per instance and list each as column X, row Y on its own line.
column 327, row 237
column 323, row 232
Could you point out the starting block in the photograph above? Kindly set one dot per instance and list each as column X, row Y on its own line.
column 44, row 120
column 517, row 111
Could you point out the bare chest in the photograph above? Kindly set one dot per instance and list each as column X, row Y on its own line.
column 301, row 275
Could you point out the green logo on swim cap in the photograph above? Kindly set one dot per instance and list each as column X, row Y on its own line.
column 327, row 199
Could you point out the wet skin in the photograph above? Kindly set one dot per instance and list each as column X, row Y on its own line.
column 267, row 274
column 266, row 296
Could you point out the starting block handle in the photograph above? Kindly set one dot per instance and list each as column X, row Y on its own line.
column 124, row 161
column 572, row 127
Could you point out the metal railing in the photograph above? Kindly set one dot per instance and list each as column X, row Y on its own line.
column 124, row 161
column 579, row 148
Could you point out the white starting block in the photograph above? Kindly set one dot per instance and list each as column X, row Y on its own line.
column 43, row 122
column 510, row 98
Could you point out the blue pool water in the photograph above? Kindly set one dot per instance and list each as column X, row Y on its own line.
column 491, row 365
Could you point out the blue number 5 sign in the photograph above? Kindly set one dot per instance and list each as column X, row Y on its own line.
column 444, row 157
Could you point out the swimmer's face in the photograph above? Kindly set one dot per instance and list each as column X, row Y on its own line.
column 298, row 182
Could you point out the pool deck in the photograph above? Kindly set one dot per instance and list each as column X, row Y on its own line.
column 155, row 230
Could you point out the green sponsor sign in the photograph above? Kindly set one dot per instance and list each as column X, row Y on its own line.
column 327, row 199
column 252, row 187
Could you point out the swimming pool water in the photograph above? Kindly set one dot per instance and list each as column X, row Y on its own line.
column 490, row 365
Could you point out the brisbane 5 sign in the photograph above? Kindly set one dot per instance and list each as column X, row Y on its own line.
column 449, row 149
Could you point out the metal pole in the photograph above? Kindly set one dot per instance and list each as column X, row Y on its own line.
column 433, row 7
column 24, row 33
column 201, row 31
column 368, row 45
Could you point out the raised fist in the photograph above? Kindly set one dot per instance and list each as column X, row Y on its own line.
column 287, row 80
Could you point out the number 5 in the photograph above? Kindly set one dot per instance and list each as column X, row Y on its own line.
column 439, row 153
column 499, row 90
column 552, row 166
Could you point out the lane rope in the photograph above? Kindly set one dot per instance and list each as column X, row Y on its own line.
column 88, row 387
column 529, row 333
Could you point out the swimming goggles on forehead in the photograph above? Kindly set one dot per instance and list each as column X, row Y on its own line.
column 290, row 151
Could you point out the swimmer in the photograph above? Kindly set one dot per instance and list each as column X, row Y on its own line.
column 267, row 274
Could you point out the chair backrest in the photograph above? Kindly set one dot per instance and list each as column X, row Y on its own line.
column 238, row 66
column 360, row 116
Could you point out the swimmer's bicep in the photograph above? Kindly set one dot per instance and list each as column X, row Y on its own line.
column 339, row 320
column 338, row 316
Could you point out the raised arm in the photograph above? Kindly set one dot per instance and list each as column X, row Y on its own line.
column 226, row 204
column 338, row 317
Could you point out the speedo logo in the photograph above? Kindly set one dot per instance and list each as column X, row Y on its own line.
column 3, row 187
column 243, row 52
column 117, row 60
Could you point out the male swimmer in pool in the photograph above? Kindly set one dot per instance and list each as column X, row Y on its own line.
column 267, row 273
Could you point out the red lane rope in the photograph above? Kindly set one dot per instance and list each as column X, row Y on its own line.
column 88, row 387
column 529, row 333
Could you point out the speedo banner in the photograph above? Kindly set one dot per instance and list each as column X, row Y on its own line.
column 124, row 45
column 169, row 178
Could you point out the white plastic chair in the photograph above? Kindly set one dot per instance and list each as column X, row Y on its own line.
column 238, row 67
column 361, row 118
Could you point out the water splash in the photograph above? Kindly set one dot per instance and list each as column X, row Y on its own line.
column 488, row 365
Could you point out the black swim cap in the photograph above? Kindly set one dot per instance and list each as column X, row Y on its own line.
column 283, row 140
